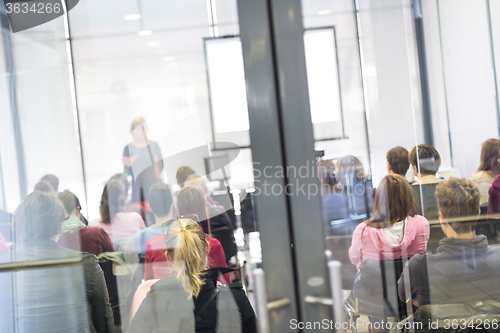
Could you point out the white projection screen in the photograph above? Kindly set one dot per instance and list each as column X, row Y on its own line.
column 226, row 79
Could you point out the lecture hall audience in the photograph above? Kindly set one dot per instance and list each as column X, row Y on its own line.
column 489, row 169
column 170, row 301
column 465, row 269
column 114, row 220
column 190, row 200
column 55, row 300
column 160, row 200
column 76, row 235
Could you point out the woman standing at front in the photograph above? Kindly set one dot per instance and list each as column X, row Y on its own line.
column 142, row 159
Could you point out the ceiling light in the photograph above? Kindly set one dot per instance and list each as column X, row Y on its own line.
column 168, row 58
column 154, row 44
column 145, row 33
column 324, row 12
column 132, row 17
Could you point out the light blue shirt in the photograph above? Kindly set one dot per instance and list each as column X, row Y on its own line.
column 142, row 237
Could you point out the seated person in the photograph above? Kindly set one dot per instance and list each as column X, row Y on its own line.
column 44, row 186
column 464, row 268
column 488, row 170
column 71, row 297
column 347, row 194
column 425, row 167
column 218, row 218
column 190, row 200
column 53, row 180
column 160, row 200
column 75, row 235
column 190, row 300
column 114, row 220
column 394, row 231
column 397, row 161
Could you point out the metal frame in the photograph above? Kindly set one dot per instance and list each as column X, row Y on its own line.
column 16, row 122
column 282, row 135
column 272, row 212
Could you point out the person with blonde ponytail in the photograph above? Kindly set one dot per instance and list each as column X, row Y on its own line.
column 192, row 301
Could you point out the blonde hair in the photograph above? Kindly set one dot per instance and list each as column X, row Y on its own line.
column 196, row 181
column 188, row 248
column 136, row 123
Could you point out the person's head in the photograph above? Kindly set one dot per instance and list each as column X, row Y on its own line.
column 39, row 216
column 112, row 200
column 326, row 173
column 53, row 180
column 182, row 174
column 192, row 200
column 70, row 202
column 398, row 161
column 490, row 153
column 349, row 170
column 123, row 178
column 160, row 199
column 138, row 134
column 44, row 186
column 197, row 181
column 429, row 159
column 187, row 249
column 393, row 202
column 458, row 199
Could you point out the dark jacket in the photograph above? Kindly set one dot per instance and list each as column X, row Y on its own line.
column 494, row 197
column 462, row 270
column 167, row 308
column 69, row 298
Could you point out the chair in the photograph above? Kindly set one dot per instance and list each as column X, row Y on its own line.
column 107, row 268
column 226, row 238
column 369, row 299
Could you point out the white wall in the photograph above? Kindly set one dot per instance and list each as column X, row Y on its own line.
column 466, row 89
column 392, row 83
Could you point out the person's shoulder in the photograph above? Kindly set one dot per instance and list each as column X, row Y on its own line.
column 95, row 222
column 494, row 251
column 213, row 242
column 156, row 242
column 417, row 219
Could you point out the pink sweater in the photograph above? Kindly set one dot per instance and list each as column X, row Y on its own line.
column 375, row 246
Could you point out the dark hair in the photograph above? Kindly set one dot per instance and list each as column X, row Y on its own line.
column 112, row 200
column 123, row 178
column 44, row 186
column 192, row 200
column 458, row 198
column 53, row 180
column 350, row 169
column 490, row 150
column 429, row 159
column 398, row 159
column 160, row 199
column 393, row 202
column 326, row 174
column 39, row 216
column 69, row 201
column 182, row 174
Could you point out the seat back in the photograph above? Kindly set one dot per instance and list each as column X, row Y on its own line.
column 377, row 288
column 107, row 268
column 226, row 238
